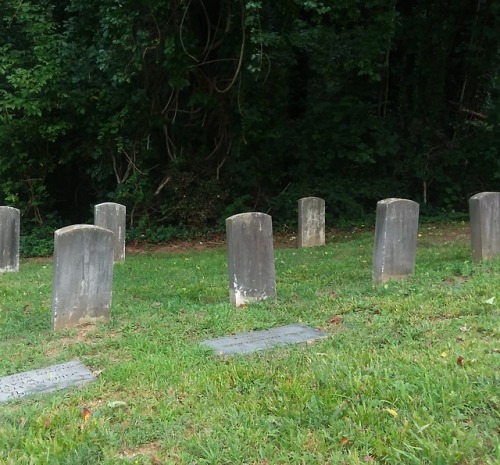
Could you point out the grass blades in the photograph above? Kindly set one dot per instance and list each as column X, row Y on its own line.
column 408, row 374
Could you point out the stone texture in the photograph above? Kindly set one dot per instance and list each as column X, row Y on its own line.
column 83, row 274
column 396, row 232
column 112, row 216
column 484, row 211
column 311, row 231
column 260, row 340
column 250, row 257
column 10, row 229
column 45, row 380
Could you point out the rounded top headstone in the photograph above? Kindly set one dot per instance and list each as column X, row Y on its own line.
column 80, row 227
column 394, row 199
column 4, row 207
column 242, row 216
column 481, row 195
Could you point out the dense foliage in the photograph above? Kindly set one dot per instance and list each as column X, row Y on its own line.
column 188, row 111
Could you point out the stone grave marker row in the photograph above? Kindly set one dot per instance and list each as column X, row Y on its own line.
column 397, row 226
column 107, row 215
column 84, row 254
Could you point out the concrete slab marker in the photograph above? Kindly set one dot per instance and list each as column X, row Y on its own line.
column 45, row 380
column 259, row 340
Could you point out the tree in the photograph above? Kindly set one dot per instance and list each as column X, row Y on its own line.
column 31, row 96
column 188, row 111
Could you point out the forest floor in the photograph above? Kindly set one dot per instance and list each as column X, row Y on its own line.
column 428, row 234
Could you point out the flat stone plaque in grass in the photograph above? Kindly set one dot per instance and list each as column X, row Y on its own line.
column 260, row 340
column 45, row 380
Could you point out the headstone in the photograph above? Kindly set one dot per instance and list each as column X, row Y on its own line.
column 311, row 222
column 45, row 380
column 9, row 238
column 396, row 230
column 83, row 274
column 112, row 216
column 485, row 225
column 260, row 340
column 250, row 257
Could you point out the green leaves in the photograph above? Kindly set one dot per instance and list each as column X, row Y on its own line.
column 250, row 97
column 29, row 66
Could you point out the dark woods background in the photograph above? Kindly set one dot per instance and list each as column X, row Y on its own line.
column 189, row 111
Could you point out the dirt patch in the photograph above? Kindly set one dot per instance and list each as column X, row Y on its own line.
column 192, row 245
column 428, row 234
column 444, row 234
column 176, row 246
column 82, row 335
column 456, row 280
column 146, row 450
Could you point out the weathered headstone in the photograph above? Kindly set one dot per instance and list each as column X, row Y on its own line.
column 260, row 340
column 484, row 211
column 396, row 230
column 250, row 257
column 83, row 274
column 9, row 238
column 45, row 380
column 112, row 216
column 311, row 222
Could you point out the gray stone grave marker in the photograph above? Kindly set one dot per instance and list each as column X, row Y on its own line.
column 83, row 274
column 112, row 216
column 396, row 230
column 250, row 257
column 45, row 380
column 259, row 340
column 311, row 222
column 9, row 238
column 484, row 211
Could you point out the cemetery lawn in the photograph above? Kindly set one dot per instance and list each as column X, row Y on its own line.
column 407, row 375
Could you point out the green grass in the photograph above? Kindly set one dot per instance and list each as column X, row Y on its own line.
column 384, row 388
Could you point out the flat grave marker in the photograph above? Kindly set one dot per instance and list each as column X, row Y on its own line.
column 44, row 380
column 253, row 341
